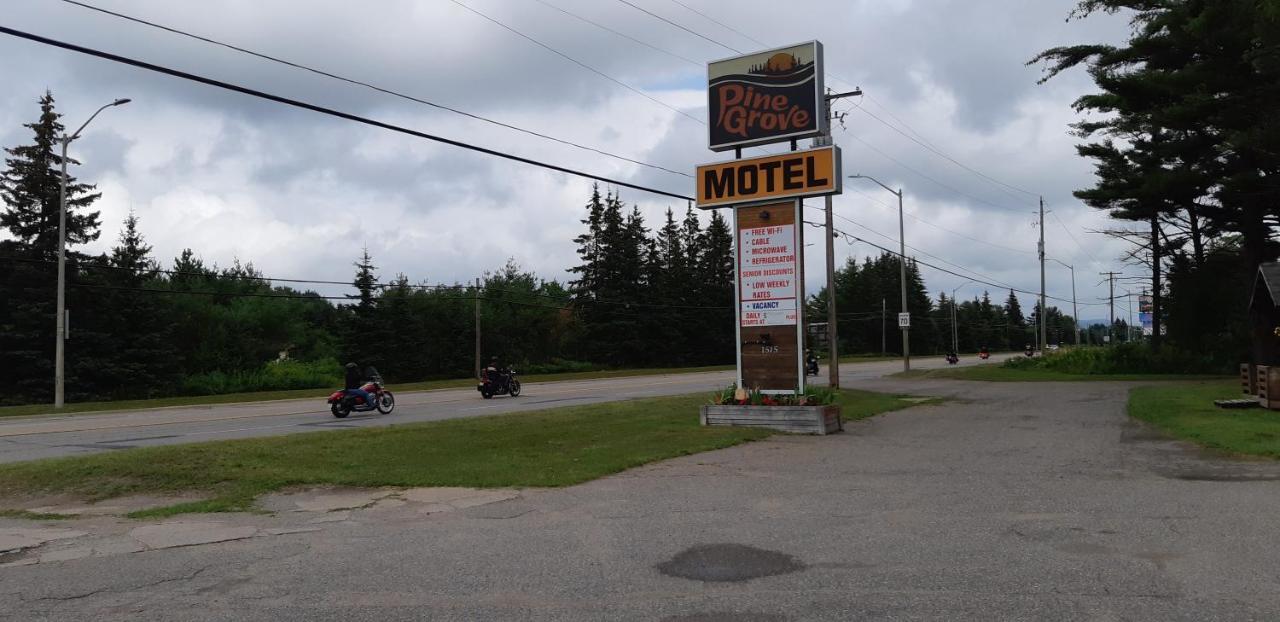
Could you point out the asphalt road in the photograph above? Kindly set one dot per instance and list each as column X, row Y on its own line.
column 30, row 438
column 992, row 506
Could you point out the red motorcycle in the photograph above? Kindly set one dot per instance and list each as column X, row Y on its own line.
column 342, row 403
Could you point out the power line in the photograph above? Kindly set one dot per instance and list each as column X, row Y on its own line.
column 580, row 63
column 721, row 24
column 1073, row 238
column 374, row 87
column 939, row 227
column 942, row 155
column 329, row 111
column 681, row 27
column 620, row 34
column 850, row 236
column 922, row 252
column 925, row 176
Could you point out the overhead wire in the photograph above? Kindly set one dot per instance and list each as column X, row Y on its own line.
column 374, row 87
column 680, row 26
column 618, row 33
column 578, row 62
column 922, row 221
column 330, row 111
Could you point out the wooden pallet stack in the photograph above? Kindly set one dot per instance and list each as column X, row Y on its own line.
column 1262, row 381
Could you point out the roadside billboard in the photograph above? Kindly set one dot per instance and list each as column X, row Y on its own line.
column 766, row 97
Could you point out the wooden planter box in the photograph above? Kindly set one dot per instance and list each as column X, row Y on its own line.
column 797, row 419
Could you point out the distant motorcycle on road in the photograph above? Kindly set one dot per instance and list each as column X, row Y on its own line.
column 952, row 359
column 498, row 382
column 343, row 403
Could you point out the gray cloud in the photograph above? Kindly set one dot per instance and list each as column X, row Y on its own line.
column 298, row 193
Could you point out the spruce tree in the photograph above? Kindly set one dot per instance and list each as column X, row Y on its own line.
column 30, row 188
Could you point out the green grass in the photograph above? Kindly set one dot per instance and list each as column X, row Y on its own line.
column 547, row 448
column 1186, row 411
column 264, row 396
column 997, row 373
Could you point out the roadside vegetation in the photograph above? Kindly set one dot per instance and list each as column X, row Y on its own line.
column 548, row 448
column 1186, row 411
column 1126, row 361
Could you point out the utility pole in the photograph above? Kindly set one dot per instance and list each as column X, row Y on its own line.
column 833, row 357
column 477, row 327
column 1075, row 314
column 884, row 348
column 1044, row 335
column 1111, row 299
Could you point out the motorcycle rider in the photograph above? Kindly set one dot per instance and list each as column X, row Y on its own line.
column 810, row 362
column 496, row 374
column 355, row 383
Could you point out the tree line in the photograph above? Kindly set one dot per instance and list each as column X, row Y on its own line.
column 639, row 297
column 1184, row 134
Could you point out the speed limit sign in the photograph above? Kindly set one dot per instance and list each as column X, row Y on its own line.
column 904, row 320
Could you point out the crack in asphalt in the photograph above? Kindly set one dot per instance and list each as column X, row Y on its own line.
column 133, row 588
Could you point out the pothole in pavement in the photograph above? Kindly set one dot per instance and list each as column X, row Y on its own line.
column 728, row 563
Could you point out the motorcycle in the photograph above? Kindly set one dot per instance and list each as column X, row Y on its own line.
column 811, row 366
column 1030, row 353
column 984, row 355
column 342, row 403
column 494, row 382
column 952, row 359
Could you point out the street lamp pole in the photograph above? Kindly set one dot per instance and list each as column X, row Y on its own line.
column 1075, row 315
column 902, row 265
column 59, row 358
column 955, row 338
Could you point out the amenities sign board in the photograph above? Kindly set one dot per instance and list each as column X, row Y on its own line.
column 769, row 240
column 766, row 97
column 806, row 173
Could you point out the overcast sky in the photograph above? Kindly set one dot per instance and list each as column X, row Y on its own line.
column 298, row 193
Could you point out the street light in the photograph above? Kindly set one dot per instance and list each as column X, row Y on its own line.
column 955, row 339
column 902, row 263
column 59, row 377
column 1075, row 315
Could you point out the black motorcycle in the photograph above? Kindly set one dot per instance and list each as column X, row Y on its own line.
column 498, row 382
column 811, row 366
column 952, row 359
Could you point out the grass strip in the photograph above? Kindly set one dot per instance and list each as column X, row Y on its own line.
column 548, row 448
column 996, row 373
column 1186, row 411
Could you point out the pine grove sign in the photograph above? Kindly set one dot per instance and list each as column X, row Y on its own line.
column 756, row 99
column 766, row 97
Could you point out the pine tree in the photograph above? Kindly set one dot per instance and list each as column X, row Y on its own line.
column 365, row 282
column 123, row 346
column 30, row 188
column 588, row 272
